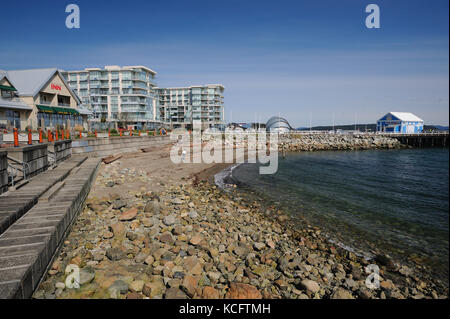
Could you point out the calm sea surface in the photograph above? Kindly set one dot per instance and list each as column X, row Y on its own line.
column 391, row 201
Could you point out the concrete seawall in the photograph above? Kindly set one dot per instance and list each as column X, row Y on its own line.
column 99, row 147
column 60, row 150
column 35, row 157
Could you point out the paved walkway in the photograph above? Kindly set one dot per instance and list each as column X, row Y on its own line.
column 28, row 242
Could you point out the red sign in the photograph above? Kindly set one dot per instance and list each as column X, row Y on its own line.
column 55, row 87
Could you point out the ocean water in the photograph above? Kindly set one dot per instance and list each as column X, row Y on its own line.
column 390, row 201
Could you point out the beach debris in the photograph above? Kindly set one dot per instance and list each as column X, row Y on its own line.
column 111, row 158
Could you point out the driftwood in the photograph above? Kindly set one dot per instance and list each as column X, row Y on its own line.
column 148, row 149
column 111, row 158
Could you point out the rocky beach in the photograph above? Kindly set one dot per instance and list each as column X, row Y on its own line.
column 166, row 231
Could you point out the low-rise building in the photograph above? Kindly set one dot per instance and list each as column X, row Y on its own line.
column 400, row 122
column 13, row 111
column 39, row 98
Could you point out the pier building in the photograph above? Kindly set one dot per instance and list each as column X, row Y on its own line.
column 400, row 122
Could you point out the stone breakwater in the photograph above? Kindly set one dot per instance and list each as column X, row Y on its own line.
column 322, row 142
column 196, row 241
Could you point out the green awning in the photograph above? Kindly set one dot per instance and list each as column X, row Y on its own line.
column 57, row 109
column 7, row 88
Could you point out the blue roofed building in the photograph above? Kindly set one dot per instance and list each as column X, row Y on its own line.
column 400, row 122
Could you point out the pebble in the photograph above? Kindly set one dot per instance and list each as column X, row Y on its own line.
column 129, row 214
column 310, row 286
column 169, row 220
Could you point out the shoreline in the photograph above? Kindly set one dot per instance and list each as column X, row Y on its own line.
column 414, row 268
column 167, row 232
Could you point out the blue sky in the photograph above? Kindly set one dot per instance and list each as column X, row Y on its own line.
column 299, row 59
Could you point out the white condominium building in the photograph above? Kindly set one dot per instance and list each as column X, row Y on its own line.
column 128, row 96
column 117, row 94
column 179, row 107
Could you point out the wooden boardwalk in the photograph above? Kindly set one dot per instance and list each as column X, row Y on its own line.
column 35, row 223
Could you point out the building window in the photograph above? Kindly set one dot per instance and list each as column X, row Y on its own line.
column 13, row 118
column 7, row 94
column 126, row 75
column 46, row 98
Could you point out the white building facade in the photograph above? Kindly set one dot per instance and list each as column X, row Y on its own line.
column 180, row 106
column 117, row 94
column 128, row 96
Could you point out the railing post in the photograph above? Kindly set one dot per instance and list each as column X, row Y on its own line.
column 80, row 135
column 40, row 135
column 56, row 135
column 16, row 138
column 30, row 137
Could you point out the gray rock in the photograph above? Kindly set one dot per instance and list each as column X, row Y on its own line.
column 259, row 246
column 169, row 220
column 118, row 204
column 115, row 254
column 87, row 274
column 152, row 207
column 48, row 286
column 241, row 251
column 98, row 255
column 140, row 258
column 405, row 271
column 193, row 214
column 310, row 286
column 341, row 293
column 175, row 293
column 119, row 286
column 131, row 235
column 176, row 201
